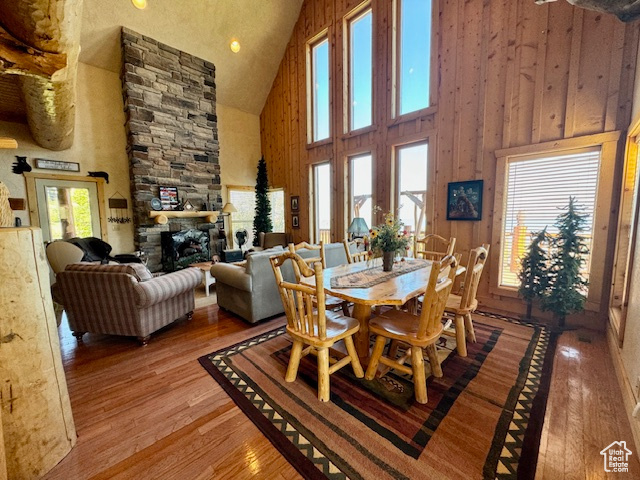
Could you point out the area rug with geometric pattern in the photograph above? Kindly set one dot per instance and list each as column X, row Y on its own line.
column 483, row 418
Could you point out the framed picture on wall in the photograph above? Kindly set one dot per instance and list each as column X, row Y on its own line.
column 168, row 197
column 295, row 221
column 464, row 200
column 295, row 206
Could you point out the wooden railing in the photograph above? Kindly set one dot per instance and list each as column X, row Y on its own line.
column 325, row 236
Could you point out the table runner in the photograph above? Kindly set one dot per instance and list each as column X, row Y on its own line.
column 374, row 275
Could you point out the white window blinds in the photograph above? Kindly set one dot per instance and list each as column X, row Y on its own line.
column 537, row 189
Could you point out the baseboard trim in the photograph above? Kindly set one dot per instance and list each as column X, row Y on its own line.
column 625, row 386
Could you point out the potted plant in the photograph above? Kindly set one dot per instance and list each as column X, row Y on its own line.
column 389, row 239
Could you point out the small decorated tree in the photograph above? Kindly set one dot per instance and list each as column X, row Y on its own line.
column 533, row 273
column 262, row 219
column 566, row 284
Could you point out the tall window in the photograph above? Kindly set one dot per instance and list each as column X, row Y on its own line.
column 412, row 186
column 414, row 65
column 244, row 199
column 361, row 186
column 322, row 202
column 319, row 90
column 537, row 187
column 360, row 70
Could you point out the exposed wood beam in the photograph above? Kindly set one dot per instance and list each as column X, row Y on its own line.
column 19, row 58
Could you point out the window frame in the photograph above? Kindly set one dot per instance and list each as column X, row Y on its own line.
column 248, row 188
column 320, row 37
column 422, row 139
column 314, row 231
column 628, row 217
column 608, row 144
column 347, row 94
column 431, row 108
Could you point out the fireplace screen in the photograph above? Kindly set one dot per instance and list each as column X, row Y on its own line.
column 180, row 249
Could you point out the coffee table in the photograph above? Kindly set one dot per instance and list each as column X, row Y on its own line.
column 207, row 278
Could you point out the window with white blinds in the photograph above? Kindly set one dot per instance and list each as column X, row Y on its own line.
column 537, row 189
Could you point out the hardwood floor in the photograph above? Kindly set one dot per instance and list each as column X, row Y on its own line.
column 154, row 413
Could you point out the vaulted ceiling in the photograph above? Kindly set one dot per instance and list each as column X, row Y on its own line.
column 203, row 28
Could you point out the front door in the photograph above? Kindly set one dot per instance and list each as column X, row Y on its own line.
column 67, row 209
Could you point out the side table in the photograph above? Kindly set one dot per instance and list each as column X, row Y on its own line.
column 207, row 278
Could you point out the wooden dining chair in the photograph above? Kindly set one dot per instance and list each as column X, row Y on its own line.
column 331, row 302
column 352, row 252
column 463, row 304
column 419, row 332
column 317, row 328
column 433, row 247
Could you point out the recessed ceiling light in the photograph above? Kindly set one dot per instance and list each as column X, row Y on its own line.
column 141, row 4
column 235, row 46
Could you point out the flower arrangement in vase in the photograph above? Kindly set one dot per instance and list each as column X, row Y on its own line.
column 388, row 240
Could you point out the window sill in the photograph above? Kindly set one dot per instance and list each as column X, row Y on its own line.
column 319, row 143
column 359, row 132
column 408, row 117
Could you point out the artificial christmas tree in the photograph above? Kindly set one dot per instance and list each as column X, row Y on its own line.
column 533, row 273
column 262, row 219
column 567, row 286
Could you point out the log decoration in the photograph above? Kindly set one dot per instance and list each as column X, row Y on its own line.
column 6, row 214
column 18, row 58
column 40, row 42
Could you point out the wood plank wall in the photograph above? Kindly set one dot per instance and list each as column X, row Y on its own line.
column 510, row 72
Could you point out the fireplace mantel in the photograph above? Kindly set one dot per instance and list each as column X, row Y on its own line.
column 162, row 217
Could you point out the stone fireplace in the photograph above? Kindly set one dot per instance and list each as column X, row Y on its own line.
column 171, row 123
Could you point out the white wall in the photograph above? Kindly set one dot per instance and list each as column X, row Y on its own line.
column 239, row 134
column 99, row 144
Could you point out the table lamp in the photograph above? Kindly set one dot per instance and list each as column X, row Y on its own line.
column 358, row 227
column 227, row 210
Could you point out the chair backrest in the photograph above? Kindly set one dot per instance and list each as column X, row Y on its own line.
column 435, row 297
column 307, row 246
column 61, row 253
column 297, row 299
column 353, row 255
column 433, row 247
column 477, row 258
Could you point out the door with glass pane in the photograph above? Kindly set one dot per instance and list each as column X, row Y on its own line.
column 322, row 202
column 67, row 209
column 412, row 186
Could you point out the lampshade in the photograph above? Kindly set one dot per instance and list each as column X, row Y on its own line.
column 358, row 226
column 229, row 208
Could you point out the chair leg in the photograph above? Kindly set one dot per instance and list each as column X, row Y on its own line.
column 468, row 323
column 294, row 361
column 393, row 349
column 461, row 338
column 345, row 309
column 324, row 390
column 355, row 361
column 434, row 361
column 375, row 357
column 419, row 379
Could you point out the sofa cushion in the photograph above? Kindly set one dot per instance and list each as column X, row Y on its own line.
column 136, row 270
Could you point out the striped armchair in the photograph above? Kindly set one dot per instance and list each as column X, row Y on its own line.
column 124, row 299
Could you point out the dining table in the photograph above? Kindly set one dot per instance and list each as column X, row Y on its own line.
column 394, row 291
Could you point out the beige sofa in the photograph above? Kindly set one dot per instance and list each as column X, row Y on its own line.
column 124, row 299
column 250, row 290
